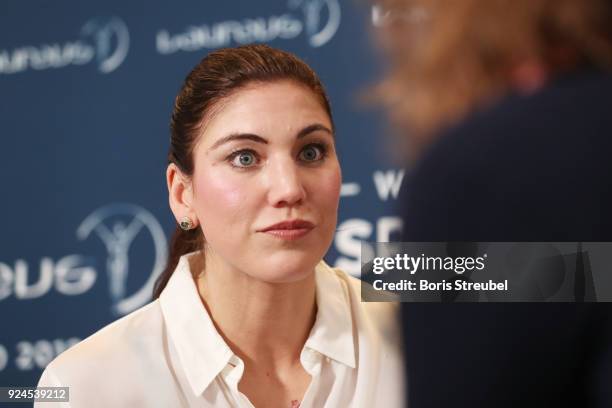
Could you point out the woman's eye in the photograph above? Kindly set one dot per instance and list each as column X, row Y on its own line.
column 243, row 158
column 312, row 153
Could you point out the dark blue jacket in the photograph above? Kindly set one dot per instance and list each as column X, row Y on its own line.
column 536, row 168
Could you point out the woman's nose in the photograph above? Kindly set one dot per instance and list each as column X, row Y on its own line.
column 286, row 186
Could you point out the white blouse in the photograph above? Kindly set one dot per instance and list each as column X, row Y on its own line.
column 169, row 354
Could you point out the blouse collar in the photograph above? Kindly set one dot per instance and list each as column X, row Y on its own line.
column 202, row 351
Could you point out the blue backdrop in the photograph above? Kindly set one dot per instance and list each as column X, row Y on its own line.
column 86, row 91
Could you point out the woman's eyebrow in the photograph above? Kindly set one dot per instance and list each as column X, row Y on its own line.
column 316, row 127
column 238, row 136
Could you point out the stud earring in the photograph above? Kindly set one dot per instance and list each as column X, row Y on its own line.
column 186, row 224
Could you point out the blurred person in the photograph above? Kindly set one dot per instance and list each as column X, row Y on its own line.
column 505, row 108
column 246, row 313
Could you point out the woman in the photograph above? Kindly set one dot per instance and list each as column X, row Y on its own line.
column 508, row 104
column 246, row 313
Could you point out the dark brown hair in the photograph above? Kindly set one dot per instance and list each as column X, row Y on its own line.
column 219, row 75
column 449, row 58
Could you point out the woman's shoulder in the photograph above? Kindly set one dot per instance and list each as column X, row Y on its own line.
column 124, row 364
column 116, row 346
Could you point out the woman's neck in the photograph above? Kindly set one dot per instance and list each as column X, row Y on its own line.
column 265, row 324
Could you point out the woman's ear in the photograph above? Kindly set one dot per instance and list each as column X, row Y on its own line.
column 180, row 195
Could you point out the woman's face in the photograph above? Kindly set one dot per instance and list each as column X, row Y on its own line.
column 266, row 182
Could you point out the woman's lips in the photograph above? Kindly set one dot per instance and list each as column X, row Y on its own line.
column 289, row 230
column 289, row 234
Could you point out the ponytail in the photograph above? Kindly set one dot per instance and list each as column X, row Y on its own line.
column 182, row 242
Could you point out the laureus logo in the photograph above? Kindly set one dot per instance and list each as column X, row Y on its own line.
column 111, row 40
column 318, row 29
column 317, row 20
column 103, row 40
column 117, row 226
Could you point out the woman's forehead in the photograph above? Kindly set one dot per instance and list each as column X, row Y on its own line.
column 270, row 98
column 277, row 109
